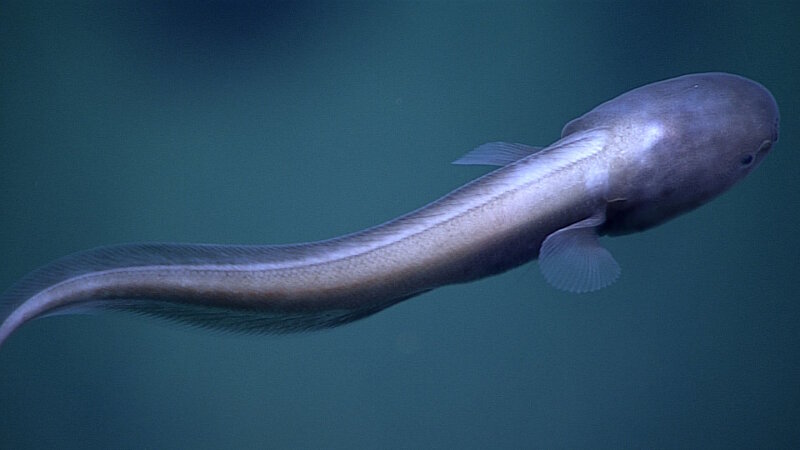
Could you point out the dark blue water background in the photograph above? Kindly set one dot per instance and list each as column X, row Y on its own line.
column 275, row 123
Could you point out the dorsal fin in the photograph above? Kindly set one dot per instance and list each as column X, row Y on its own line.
column 253, row 320
column 144, row 254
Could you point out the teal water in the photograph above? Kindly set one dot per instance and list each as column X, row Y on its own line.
column 206, row 122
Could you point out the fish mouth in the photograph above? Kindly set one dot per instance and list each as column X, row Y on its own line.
column 775, row 129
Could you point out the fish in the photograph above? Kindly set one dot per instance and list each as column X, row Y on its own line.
column 631, row 163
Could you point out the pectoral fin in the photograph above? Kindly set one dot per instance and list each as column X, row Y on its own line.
column 571, row 259
column 496, row 154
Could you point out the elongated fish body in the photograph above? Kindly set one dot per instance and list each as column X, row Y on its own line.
column 627, row 165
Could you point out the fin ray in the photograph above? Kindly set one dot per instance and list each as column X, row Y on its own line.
column 572, row 259
column 496, row 154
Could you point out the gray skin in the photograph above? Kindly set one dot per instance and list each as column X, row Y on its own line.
column 629, row 164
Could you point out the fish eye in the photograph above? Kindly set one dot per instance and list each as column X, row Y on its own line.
column 746, row 160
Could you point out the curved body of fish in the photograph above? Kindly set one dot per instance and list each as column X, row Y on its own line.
column 627, row 165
